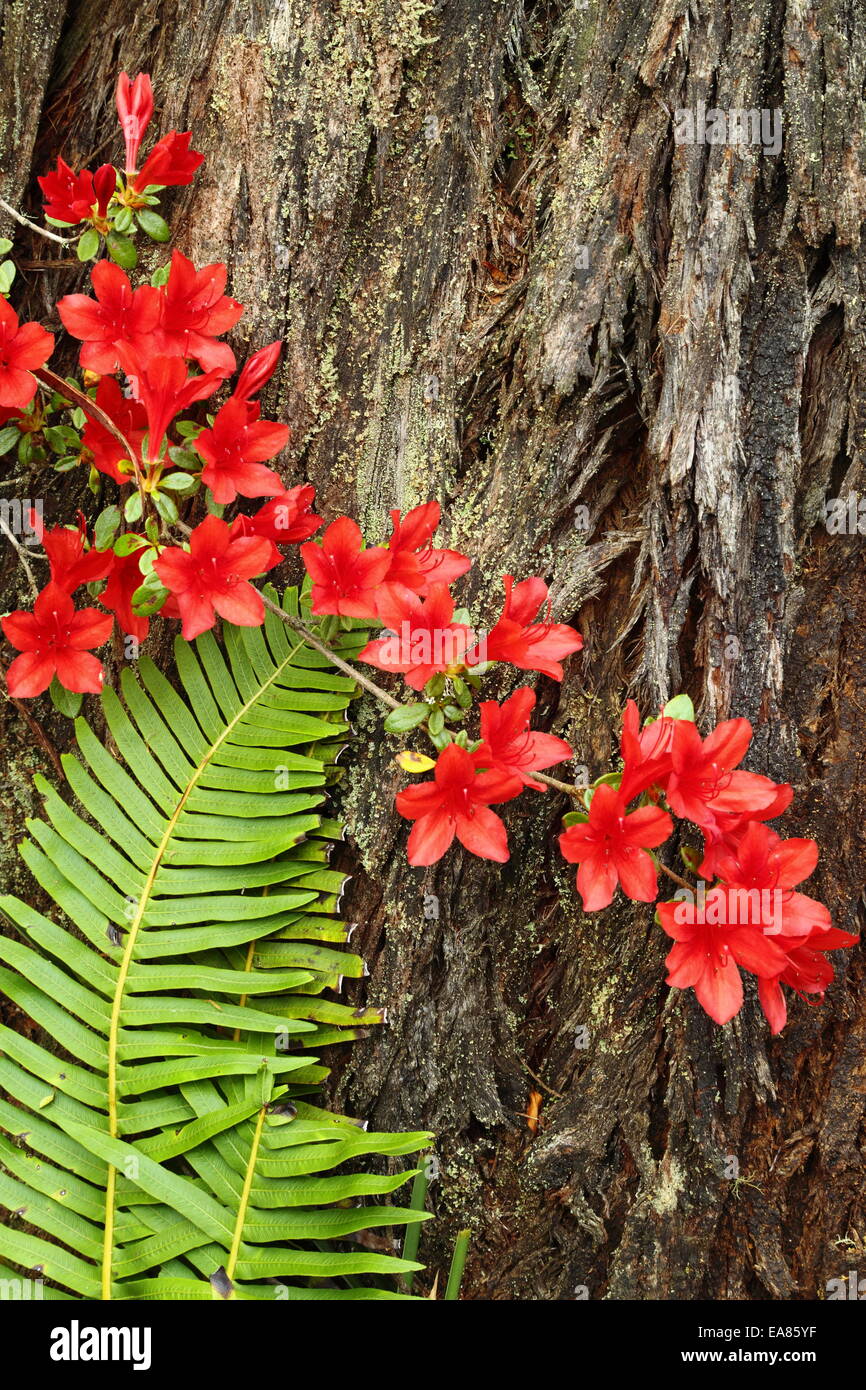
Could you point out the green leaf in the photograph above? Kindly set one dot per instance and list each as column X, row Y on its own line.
column 9, row 437
column 123, row 219
column 462, row 693
column 153, row 225
column 67, row 702
column 680, row 707
column 62, row 438
column 181, row 977
column 105, row 527
column 187, row 459
column 7, row 276
column 5, row 245
column 166, row 507
column 121, row 250
column 183, row 483
column 436, row 722
column 407, row 717
column 88, row 245
column 128, row 542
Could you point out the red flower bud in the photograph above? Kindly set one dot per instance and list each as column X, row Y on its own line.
column 104, row 184
column 257, row 371
column 134, row 108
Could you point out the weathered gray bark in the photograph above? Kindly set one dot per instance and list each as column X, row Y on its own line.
column 403, row 192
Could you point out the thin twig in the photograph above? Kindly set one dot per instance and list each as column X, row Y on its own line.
column 549, row 1089
column 576, row 792
column 684, row 883
column 338, row 661
column 35, row 727
column 81, row 398
column 22, row 556
column 34, row 227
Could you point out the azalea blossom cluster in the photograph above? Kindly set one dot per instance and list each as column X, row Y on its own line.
column 111, row 204
column 148, row 354
column 745, row 912
column 404, row 585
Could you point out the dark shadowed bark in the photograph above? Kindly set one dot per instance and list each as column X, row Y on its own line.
column 635, row 367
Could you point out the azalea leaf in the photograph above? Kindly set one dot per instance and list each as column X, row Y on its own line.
column 680, row 707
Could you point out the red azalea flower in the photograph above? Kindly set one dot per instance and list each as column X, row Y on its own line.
column 195, row 310
column 124, row 579
column 768, row 868
column 286, row 518
column 211, row 577
column 704, row 788
column 165, row 388
column 170, row 164
column 67, row 196
column 414, row 562
column 457, row 802
column 808, row 971
column 23, row 348
column 729, row 825
column 118, row 314
column 68, row 560
column 345, row 576
column 518, row 639
column 514, row 747
column 130, row 417
column 711, row 940
column 257, row 371
column 422, row 639
column 134, row 102
column 611, row 848
column 55, row 640
column 646, row 752
column 234, row 449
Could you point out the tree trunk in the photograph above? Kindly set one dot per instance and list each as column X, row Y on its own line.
column 638, row 368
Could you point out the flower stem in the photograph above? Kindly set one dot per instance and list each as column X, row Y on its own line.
column 567, row 787
column 34, row 227
column 338, row 661
column 684, row 883
column 22, row 554
column 81, row 398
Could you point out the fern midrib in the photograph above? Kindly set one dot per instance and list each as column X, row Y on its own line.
column 244, row 1201
column 126, row 961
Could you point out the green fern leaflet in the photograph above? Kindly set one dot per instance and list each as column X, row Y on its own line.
column 165, row 1144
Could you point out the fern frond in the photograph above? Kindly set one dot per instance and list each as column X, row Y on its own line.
column 163, row 1146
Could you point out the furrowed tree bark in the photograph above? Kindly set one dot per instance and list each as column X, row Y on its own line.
column 637, row 368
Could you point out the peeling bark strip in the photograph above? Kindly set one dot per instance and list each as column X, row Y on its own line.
column 636, row 366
